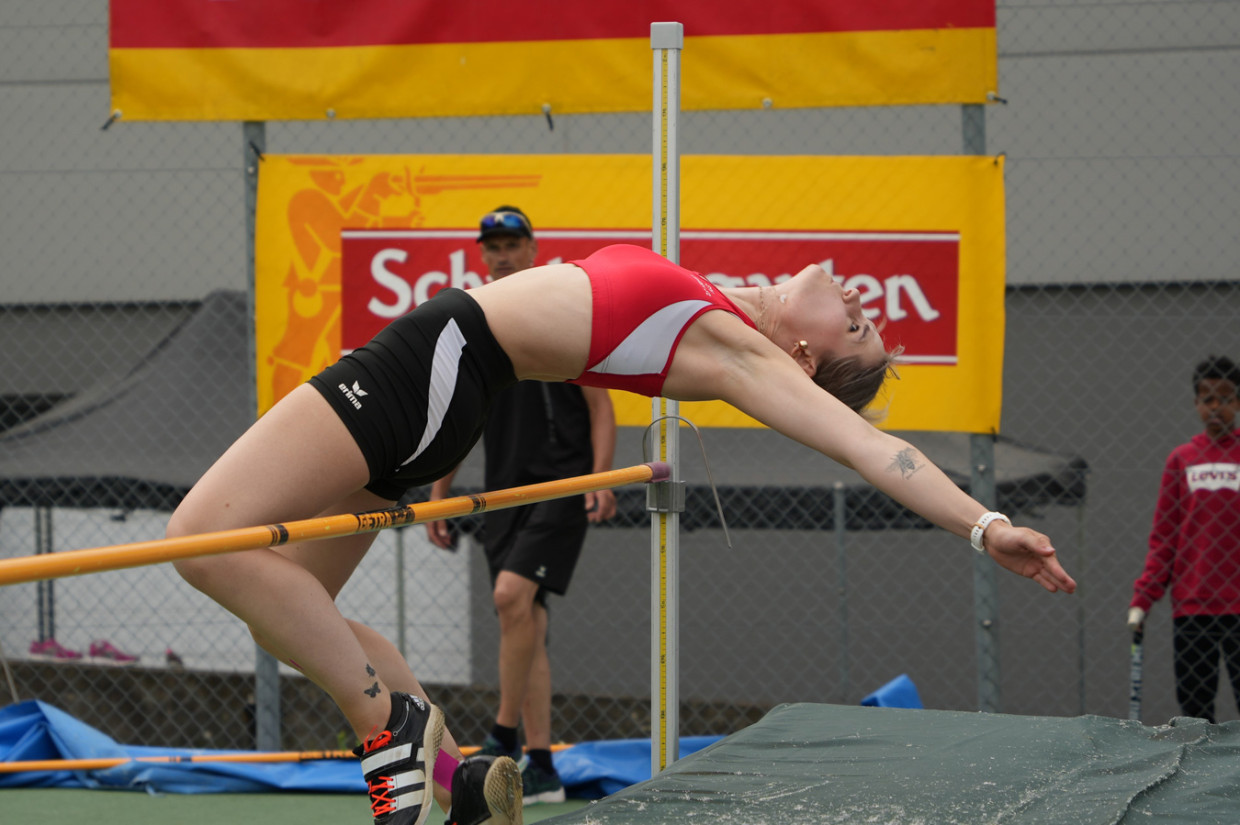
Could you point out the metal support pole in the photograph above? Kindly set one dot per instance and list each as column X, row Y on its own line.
column 401, row 618
column 841, row 585
column 1082, row 575
column 666, row 41
column 982, row 449
column 266, row 668
column 985, row 588
column 46, row 590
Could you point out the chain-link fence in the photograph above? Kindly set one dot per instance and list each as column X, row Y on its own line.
column 126, row 265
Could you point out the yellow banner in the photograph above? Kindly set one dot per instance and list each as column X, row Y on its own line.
column 344, row 242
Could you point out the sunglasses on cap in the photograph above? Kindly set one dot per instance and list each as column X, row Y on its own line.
column 496, row 222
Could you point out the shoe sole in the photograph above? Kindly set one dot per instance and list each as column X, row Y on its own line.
column 432, row 738
column 502, row 791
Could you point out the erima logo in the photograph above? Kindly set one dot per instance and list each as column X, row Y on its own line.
column 353, row 394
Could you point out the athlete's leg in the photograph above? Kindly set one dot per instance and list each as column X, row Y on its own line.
column 297, row 461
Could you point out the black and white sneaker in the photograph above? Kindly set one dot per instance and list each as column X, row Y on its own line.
column 540, row 786
column 486, row 789
column 396, row 762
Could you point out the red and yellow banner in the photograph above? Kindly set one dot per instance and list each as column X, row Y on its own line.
column 345, row 244
column 307, row 59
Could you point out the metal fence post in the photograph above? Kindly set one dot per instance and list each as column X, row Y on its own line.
column 266, row 668
column 839, row 495
column 982, row 484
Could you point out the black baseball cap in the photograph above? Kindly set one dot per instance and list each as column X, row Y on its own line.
column 504, row 220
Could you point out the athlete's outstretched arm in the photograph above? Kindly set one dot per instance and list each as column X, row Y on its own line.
column 765, row 383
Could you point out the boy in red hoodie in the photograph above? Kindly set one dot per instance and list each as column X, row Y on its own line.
column 1195, row 545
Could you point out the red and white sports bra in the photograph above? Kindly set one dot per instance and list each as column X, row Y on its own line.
column 643, row 303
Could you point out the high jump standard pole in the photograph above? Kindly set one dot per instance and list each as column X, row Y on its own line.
column 121, row 556
column 666, row 499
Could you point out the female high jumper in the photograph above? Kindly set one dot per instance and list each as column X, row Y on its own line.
column 800, row 357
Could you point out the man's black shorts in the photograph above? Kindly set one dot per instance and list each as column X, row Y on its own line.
column 540, row 542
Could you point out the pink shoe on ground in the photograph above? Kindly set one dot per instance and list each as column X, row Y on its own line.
column 107, row 653
column 54, row 650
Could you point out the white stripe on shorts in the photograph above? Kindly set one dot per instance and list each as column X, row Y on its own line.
column 445, row 364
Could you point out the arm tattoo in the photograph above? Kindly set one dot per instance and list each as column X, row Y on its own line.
column 905, row 463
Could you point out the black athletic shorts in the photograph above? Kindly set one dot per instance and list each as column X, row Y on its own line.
column 416, row 396
column 540, row 542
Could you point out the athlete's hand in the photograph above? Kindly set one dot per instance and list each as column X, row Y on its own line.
column 600, row 505
column 1027, row 553
column 441, row 535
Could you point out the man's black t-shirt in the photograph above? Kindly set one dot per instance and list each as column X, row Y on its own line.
column 537, row 431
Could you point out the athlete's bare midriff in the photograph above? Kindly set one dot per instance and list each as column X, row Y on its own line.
column 542, row 318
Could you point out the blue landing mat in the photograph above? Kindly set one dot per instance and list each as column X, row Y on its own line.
column 35, row 731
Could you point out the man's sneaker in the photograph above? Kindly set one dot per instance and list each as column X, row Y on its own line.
column 493, row 747
column 486, row 789
column 396, row 761
column 52, row 649
column 540, row 786
column 108, row 653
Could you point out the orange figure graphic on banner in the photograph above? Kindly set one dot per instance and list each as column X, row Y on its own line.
column 316, row 214
column 340, row 195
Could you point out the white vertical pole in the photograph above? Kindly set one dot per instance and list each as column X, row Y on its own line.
column 666, row 41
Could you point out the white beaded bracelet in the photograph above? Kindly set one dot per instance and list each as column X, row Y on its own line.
column 979, row 529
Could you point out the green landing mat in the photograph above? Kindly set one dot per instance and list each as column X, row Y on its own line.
column 828, row 764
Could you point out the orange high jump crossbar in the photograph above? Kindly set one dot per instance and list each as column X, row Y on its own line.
column 269, row 757
column 121, row 556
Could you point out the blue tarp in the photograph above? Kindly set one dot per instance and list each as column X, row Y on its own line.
column 900, row 692
column 36, row 731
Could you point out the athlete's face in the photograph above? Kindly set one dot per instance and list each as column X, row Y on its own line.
column 505, row 254
column 834, row 322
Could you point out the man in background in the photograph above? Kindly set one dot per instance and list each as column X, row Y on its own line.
column 536, row 432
